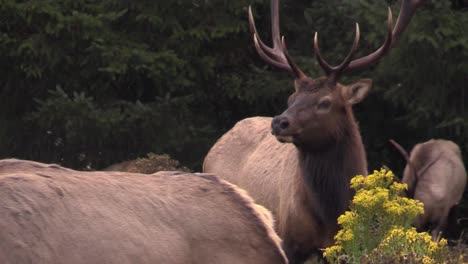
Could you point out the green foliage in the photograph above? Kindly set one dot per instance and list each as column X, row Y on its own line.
column 77, row 128
column 420, row 85
column 377, row 228
column 134, row 77
column 172, row 76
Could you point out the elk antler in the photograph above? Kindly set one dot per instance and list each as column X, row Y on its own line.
column 278, row 55
column 407, row 10
column 332, row 71
column 405, row 155
column 400, row 149
column 347, row 64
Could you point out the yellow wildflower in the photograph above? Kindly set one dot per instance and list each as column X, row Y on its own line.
column 357, row 182
column 347, row 218
column 344, row 235
column 398, row 187
column 332, row 251
column 377, row 226
column 427, row 260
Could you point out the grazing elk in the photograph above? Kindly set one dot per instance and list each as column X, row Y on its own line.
column 50, row 215
column 436, row 176
column 304, row 184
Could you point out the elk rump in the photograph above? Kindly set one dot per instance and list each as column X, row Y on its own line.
column 436, row 176
column 51, row 215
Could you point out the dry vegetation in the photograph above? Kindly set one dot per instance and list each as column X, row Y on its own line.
column 151, row 164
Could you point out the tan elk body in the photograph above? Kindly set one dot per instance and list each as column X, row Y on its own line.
column 305, row 184
column 51, row 215
column 435, row 175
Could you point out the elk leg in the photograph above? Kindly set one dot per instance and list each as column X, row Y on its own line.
column 440, row 226
column 421, row 222
column 453, row 228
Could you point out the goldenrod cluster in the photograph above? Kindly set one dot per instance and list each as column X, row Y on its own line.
column 403, row 243
column 378, row 225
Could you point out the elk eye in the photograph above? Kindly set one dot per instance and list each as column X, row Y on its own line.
column 324, row 104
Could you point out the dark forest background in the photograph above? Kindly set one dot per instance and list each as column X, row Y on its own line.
column 87, row 83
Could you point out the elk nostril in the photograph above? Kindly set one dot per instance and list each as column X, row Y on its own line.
column 284, row 124
column 279, row 125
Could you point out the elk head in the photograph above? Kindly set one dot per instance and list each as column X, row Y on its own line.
column 320, row 109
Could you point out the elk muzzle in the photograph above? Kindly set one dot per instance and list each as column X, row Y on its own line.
column 280, row 129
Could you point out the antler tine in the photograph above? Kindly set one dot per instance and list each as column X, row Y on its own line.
column 327, row 68
column 337, row 70
column 275, row 32
column 407, row 10
column 376, row 55
column 254, row 31
column 268, row 59
column 405, row 155
column 294, row 67
column 269, row 55
column 400, row 149
column 274, row 56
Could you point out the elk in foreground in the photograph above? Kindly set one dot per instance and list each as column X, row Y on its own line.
column 305, row 184
column 436, row 176
column 50, row 215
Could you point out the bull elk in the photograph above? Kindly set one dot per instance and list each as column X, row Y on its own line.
column 305, row 184
column 50, row 214
column 436, row 176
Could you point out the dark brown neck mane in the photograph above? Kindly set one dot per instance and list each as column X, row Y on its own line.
column 328, row 173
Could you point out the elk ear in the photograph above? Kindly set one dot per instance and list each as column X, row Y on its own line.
column 357, row 91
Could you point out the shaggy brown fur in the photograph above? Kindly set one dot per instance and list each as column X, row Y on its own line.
column 51, row 214
column 305, row 190
column 306, row 183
